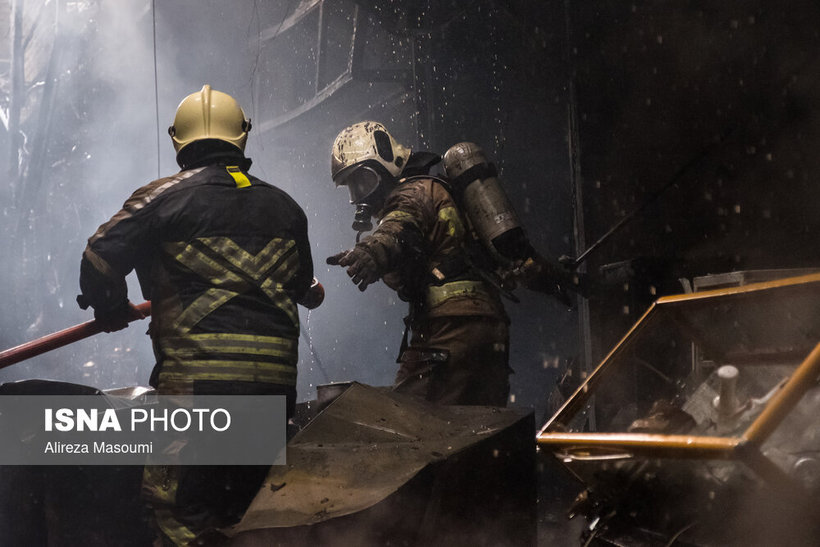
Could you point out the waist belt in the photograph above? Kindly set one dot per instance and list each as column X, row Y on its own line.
column 436, row 294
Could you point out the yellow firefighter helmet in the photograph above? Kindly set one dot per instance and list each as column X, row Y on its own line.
column 209, row 114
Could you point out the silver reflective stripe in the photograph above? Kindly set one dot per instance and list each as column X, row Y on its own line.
column 173, row 181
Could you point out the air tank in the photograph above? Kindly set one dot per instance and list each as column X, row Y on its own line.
column 479, row 193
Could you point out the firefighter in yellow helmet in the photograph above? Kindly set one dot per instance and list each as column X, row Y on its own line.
column 458, row 346
column 224, row 258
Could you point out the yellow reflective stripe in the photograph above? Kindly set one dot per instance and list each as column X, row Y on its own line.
column 227, row 367
column 275, row 291
column 222, row 370
column 449, row 215
column 231, row 338
column 202, row 307
column 253, row 265
column 266, row 270
column 207, row 268
column 173, row 529
column 282, row 301
column 181, row 352
column 288, row 267
column 158, row 484
column 438, row 294
column 238, row 176
column 179, row 347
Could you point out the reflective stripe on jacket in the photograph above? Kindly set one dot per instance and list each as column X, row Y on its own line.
column 425, row 205
column 223, row 257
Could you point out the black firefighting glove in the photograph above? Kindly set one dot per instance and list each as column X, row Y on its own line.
column 114, row 319
column 111, row 319
column 538, row 274
column 362, row 266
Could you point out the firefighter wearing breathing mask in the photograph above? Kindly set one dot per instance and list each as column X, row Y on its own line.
column 457, row 347
column 224, row 258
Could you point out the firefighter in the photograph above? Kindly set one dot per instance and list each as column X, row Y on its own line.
column 224, row 258
column 458, row 346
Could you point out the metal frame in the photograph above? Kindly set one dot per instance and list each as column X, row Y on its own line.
column 745, row 448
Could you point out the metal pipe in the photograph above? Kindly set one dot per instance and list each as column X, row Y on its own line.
column 803, row 379
column 656, row 445
column 578, row 399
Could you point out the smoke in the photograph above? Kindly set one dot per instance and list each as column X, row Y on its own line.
column 106, row 136
column 92, row 142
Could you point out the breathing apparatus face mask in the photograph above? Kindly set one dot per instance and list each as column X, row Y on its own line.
column 361, row 182
column 365, row 183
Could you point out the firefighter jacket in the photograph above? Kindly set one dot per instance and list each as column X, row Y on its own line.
column 223, row 257
column 422, row 239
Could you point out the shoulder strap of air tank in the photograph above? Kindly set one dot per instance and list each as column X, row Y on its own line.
column 440, row 180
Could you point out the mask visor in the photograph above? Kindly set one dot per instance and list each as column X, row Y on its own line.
column 361, row 182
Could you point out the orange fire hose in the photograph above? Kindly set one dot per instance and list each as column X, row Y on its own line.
column 57, row 340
